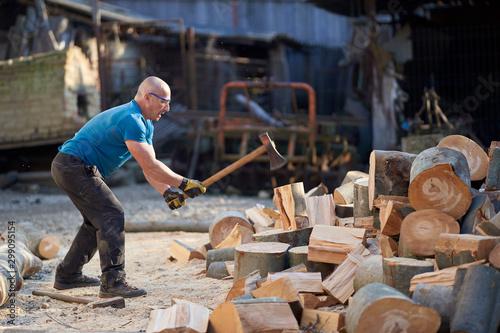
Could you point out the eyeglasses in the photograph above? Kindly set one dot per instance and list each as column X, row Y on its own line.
column 163, row 99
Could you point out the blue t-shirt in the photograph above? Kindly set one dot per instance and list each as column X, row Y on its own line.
column 101, row 141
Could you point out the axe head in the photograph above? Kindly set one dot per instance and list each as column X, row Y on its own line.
column 277, row 161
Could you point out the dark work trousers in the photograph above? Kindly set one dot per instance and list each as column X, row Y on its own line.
column 103, row 225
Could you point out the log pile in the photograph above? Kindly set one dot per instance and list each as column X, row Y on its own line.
column 417, row 251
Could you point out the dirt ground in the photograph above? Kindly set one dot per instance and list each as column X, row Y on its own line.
column 147, row 254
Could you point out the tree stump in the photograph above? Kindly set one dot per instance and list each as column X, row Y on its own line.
column 478, row 305
column 437, row 297
column 440, row 180
column 379, row 308
column 398, row 272
column 389, row 174
column 267, row 257
column 477, row 159
column 421, row 229
column 224, row 223
column 369, row 271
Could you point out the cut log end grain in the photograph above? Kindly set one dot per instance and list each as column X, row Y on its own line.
column 477, row 159
column 224, row 223
column 421, row 229
column 440, row 188
column 380, row 308
column 48, row 247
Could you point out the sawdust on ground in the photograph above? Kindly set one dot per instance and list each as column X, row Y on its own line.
column 147, row 263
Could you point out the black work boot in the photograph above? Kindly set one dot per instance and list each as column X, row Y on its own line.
column 64, row 280
column 122, row 289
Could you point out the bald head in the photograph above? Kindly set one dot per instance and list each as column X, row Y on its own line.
column 151, row 97
column 152, row 84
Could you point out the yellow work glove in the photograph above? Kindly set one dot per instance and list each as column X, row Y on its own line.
column 174, row 197
column 192, row 188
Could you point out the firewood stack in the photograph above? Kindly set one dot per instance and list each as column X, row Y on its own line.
column 419, row 250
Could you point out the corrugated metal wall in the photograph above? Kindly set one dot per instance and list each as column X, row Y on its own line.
column 302, row 21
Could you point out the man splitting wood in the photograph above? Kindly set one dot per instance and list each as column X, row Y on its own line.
column 98, row 149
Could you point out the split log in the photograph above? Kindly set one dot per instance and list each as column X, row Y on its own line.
column 477, row 159
column 492, row 181
column 379, row 308
column 304, row 282
column 345, row 222
column 365, row 222
column 309, row 301
column 389, row 174
column 325, row 301
column 319, row 190
column 205, row 248
column 440, row 180
column 27, row 263
column 257, row 216
column 442, row 277
column 388, row 245
column 234, row 238
column 361, row 200
column 344, row 194
column 255, row 315
column 184, row 317
column 478, row 304
column 167, row 226
column 454, row 250
column 215, row 255
column 353, row 175
column 480, row 209
column 181, row 251
column 487, row 229
column 342, row 211
column 369, row 271
column 282, row 288
column 331, row 244
column 290, row 200
column 217, row 270
column 398, row 272
column 392, row 215
column 223, row 224
column 438, row 298
column 230, row 266
column 340, row 284
column 244, row 285
column 299, row 237
column 268, row 257
column 420, row 230
column 494, row 257
column 323, row 321
column 298, row 255
column 321, row 210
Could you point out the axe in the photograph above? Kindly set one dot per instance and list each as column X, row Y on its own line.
column 276, row 160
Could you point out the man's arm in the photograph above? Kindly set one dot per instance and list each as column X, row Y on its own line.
column 157, row 174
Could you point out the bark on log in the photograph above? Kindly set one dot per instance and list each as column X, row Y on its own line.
column 361, row 198
column 223, row 224
column 331, row 244
column 398, row 272
column 294, row 238
column 389, row 174
column 493, row 176
column 343, row 211
column 290, row 200
column 438, row 298
column 440, row 180
column 477, row 159
column 298, row 255
column 480, row 209
column 478, row 304
column 321, row 210
column 256, row 315
column 454, row 250
column 226, row 254
column 319, row 190
column 369, row 271
column 267, row 257
column 217, row 270
column 182, row 317
column 379, row 308
column 420, row 230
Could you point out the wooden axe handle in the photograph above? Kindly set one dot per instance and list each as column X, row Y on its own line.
column 60, row 297
column 232, row 167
